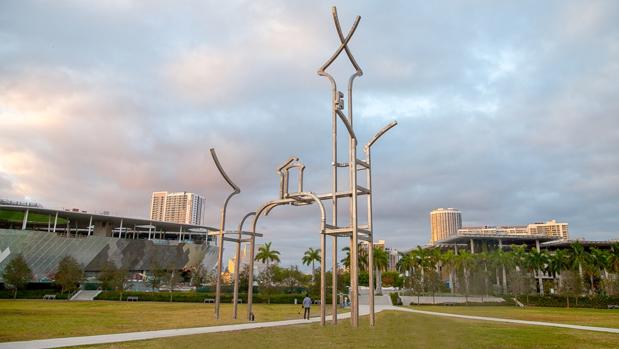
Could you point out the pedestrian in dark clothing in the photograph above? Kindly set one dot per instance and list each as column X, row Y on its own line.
column 307, row 303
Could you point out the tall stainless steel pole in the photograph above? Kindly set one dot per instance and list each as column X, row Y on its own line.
column 237, row 263
column 222, row 228
column 371, row 242
column 368, row 153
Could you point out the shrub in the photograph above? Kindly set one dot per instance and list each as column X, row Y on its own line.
column 198, row 297
column 395, row 299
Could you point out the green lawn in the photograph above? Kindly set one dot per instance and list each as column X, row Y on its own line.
column 18, row 217
column 575, row 316
column 36, row 319
column 393, row 330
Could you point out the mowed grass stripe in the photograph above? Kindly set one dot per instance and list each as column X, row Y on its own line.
column 36, row 319
column 393, row 330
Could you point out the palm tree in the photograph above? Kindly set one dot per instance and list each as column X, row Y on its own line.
column 613, row 258
column 405, row 266
column 362, row 257
column 536, row 261
column 266, row 255
column 311, row 256
column 483, row 259
column 464, row 262
column 557, row 262
column 504, row 260
column 448, row 259
column 599, row 262
column 420, row 261
column 578, row 256
column 519, row 255
column 381, row 261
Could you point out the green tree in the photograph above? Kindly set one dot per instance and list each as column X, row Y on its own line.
column 381, row 262
column 536, row 262
column 571, row 286
column 69, row 274
column 578, row 257
column 172, row 279
column 448, row 260
column 157, row 277
column 266, row 255
column 557, row 263
column 362, row 257
column 503, row 261
column 599, row 263
column 464, row 264
column 265, row 283
column 17, row 274
column 405, row 266
column 114, row 278
column 311, row 256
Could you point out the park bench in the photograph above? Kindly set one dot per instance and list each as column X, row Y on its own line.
column 209, row 300
column 449, row 303
column 49, row 296
column 132, row 299
column 613, row 306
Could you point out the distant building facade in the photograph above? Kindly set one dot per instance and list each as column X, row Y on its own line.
column 180, row 207
column 444, row 222
column 551, row 229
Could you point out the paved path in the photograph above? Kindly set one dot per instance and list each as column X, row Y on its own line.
column 363, row 310
column 513, row 321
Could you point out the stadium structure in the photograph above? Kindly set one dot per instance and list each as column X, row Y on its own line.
column 44, row 236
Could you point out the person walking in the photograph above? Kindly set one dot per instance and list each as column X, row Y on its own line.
column 307, row 303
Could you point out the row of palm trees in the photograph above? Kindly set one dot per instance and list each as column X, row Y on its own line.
column 516, row 270
column 597, row 269
column 381, row 261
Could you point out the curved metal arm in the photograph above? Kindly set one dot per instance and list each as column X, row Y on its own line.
column 223, row 173
column 349, row 128
column 379, row 134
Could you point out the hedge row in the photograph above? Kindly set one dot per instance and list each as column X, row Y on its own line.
column 198, row 297
column 31, row 294
column 560, row 301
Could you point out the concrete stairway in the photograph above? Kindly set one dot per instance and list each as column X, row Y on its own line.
column 364, row 299
column 83, row 295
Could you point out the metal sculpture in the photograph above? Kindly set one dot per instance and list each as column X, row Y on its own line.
column 354, row 231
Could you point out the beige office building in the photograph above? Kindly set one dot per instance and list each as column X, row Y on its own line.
column 444, row 222
column 181, row 207
column 550, row 228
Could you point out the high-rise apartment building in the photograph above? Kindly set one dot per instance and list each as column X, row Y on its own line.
column 550, row 228
column 444, row 222
column 181, row 207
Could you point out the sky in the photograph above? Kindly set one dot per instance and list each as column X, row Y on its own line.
column 507, row 111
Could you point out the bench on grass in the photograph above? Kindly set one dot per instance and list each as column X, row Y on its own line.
column 49, row 296
column 132, row 299
column 209, row 300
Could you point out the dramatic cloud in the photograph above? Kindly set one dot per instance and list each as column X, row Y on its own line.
column 507, row 111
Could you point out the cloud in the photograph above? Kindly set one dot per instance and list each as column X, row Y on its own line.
column 506, row 111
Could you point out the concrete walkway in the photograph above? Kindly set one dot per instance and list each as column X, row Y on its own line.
column 513, row 321
column 363, row 310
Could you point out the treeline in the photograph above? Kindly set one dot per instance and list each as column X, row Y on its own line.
column 570, row 272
